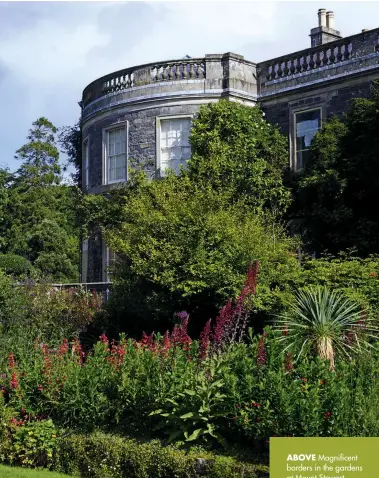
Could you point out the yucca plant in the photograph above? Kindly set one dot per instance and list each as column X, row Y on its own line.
column 325, row 323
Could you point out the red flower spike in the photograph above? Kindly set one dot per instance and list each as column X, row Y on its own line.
column 14, row 381
column 11, row 361
column 63, row 348
column 205, row 340
column 166, row 341
column 179, row 334
column 145, row 338
column 231, row 323
column 261, row 354
column 104, row 339
column 288, row 363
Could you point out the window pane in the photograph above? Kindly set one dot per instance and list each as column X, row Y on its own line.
column 120, row 166
column 116, row 155
column 307, row 125
column 174, row 143
column 117, row 167
column 122, row 139
column 111, row 136
column 165, row 126
column 301, row 159
column 184, row 137
column 186, row 152
column 111, row 168
column 165, row 159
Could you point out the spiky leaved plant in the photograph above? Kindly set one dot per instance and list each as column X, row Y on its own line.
column 326, row 323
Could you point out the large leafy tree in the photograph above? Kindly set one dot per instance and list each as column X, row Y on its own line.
column 236, row 151
column 186, row 242
column 336, row 194
column 180, row 246
column 39, row 221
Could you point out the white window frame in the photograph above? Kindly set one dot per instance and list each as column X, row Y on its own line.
column 159, row 119
column 84, row 271
column 294, row 141
column 107, row 258
column 85, row 162
column 124, row 124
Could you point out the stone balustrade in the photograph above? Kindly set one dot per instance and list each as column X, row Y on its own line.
column 309, row 61
column 214, row 76
column 179, row 70
column 350, row 53
column 185, row 69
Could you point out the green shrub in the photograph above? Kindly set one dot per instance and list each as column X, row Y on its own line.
column 190, row 253
column 11, row 303
column 117, row 384
column 326, row 323
column 29, row 443
column 356, row 278
column 109, row 456
column 307, row 398
column 36, row 310
column 235, row 150
column 257, row 393
column 199, row 409
column 14, row 265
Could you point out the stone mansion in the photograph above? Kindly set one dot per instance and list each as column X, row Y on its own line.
column 142, row 115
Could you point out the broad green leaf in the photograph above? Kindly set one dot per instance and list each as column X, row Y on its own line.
column 195, row 434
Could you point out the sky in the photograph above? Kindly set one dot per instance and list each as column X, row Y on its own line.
column 49, row 51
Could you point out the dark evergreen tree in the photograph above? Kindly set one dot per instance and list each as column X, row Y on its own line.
column 39, row 220
column 336, row 194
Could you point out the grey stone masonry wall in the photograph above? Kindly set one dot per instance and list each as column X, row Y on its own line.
column 334, row 100
column 339, row 103
column 278, row 114
column 141, row 139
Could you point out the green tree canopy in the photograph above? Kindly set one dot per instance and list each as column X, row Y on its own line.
column 181, row 246
column 186, row 241
column 14, row 265
column 39, row 220
column 40, row 156
column 5, row 179
column 237, row 152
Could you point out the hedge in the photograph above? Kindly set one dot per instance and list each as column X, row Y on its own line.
column 109, row 456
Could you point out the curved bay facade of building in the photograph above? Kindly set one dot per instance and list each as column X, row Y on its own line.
column 141, row 116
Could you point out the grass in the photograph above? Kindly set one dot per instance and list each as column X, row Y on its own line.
column 15, row 472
